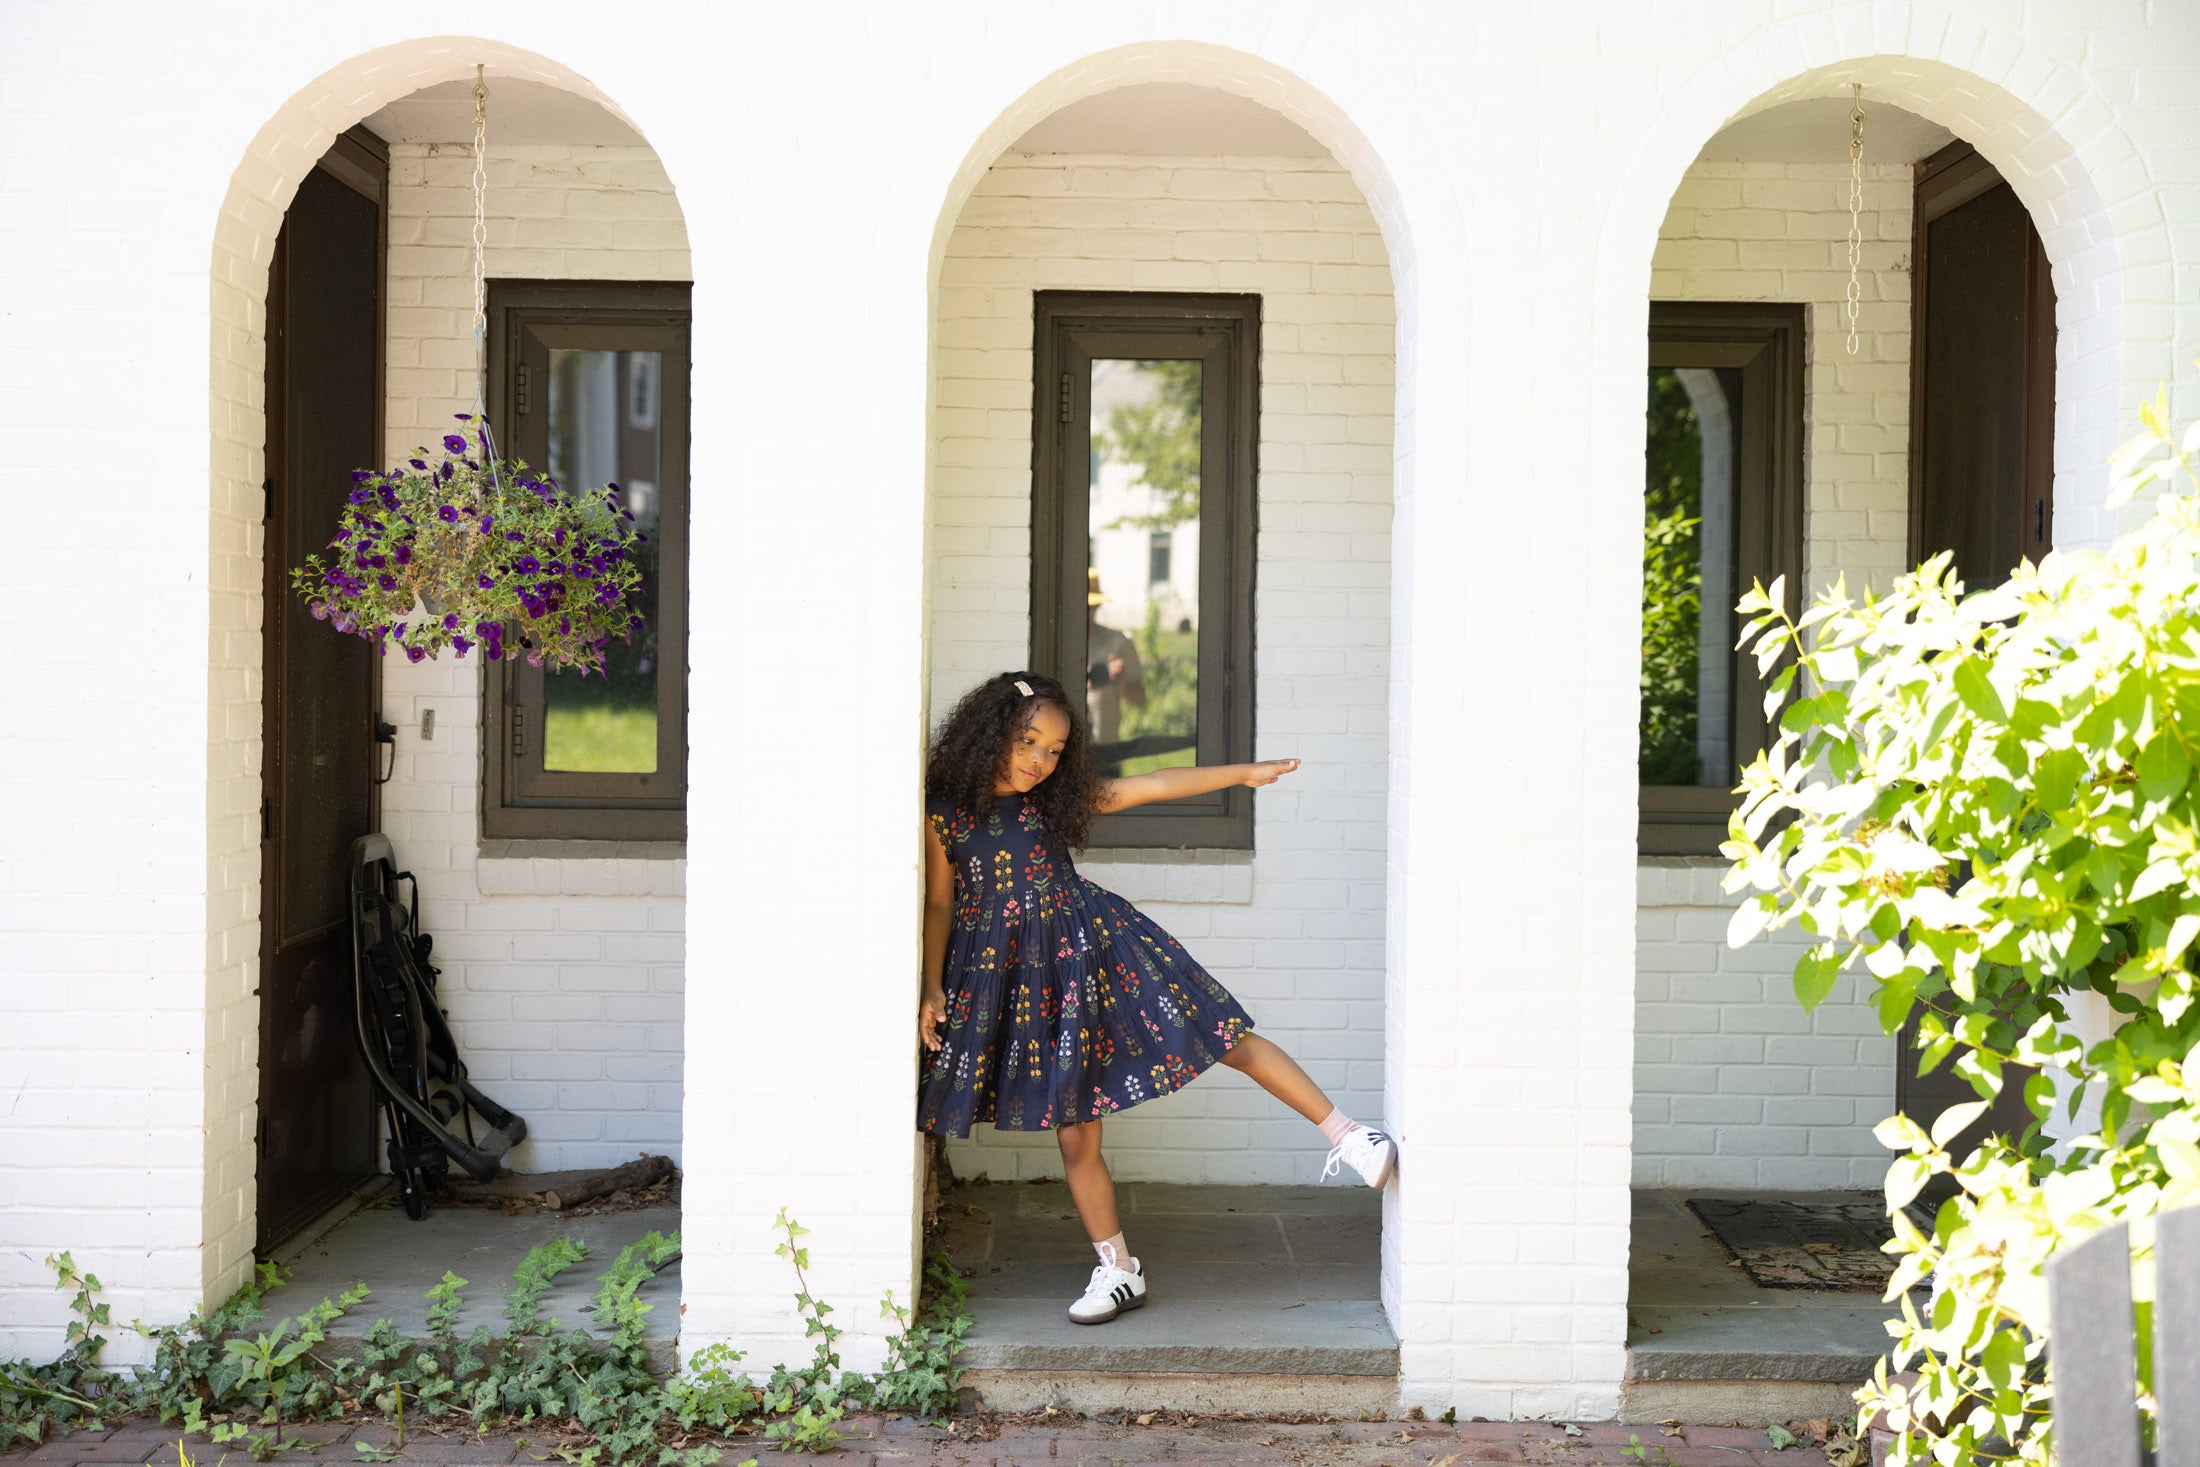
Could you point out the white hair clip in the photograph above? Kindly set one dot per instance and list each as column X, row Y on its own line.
column 1023, row 687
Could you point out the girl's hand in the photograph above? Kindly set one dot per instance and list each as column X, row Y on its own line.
column 1268, row 771
column 931, row 1013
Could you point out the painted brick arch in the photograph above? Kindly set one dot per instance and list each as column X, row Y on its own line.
column 251, row 212
column 2050, row 132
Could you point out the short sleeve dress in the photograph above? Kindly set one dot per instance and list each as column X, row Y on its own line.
column 1064, row 1002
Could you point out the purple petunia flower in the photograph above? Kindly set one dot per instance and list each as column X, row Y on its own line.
column 414, row 654
column 527, row 565
column 450, row 621
column 419, row 463
column 403, row 554
column 386, row 581
column 445, row 472
column 488, row 522
column 452, row 443
column 319, row 610
column 557, row 538
column 359, row 496
column 488, row 582
column 461, row 646
column 514, row 536
column 447, row 514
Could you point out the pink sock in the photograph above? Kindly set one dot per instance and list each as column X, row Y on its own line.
column 1115, row 1251
column 1335, row 1124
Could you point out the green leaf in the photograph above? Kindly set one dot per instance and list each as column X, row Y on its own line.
column 2163, row 768
column 1899, row 1133
column 1815, row 974
column 1977, row 692
column 1906, row 1177
column 1749, row 920
column 1955, row 1118
column 2002, row 1361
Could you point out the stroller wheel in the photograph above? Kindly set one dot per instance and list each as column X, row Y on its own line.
column 416, row 1201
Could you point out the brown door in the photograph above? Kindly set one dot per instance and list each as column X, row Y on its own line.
column 1982, row 463
column 324, row 419
column 1982, row 388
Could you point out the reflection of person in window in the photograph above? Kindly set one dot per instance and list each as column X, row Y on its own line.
column 1113, row 675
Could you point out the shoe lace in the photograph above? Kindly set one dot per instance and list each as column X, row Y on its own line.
column 1335, row 1163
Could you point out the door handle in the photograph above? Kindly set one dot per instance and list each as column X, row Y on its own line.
column 385, row 732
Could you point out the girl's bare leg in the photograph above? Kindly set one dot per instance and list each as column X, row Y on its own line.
column 1090, row 1185
column 1278, row 1074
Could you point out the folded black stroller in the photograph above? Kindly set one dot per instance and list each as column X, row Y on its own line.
column 429, row 1105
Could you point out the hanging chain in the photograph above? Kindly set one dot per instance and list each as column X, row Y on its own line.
column 481, row 241
column 1856, row 209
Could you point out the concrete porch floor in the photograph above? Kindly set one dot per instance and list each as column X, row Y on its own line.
column 400, row 1260
column 1706, row 1344
column 1261, row 1298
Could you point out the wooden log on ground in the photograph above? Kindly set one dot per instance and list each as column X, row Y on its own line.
column 642, row 1172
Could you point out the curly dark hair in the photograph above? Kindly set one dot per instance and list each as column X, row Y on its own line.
column 971, row 748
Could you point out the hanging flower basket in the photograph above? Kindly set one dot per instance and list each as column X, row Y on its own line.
column 469, row 549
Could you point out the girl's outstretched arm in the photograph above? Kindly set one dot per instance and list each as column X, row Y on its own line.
column 1198, row 779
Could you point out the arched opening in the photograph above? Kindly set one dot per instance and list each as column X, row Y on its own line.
column 1110, row 217
column 1971, row 414
column 558, row 936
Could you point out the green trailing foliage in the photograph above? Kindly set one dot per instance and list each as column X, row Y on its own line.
column 1987, row 803
column 222, row 1375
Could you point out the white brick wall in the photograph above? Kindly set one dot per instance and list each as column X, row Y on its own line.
column 1734, row 1084
column 1519, row 164
column 561, row 975
column 1296, row 932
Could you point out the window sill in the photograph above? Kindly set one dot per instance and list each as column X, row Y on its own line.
column 582, row 868
column 1180, row 875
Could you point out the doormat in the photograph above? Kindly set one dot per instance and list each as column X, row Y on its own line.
column 1828, row 1246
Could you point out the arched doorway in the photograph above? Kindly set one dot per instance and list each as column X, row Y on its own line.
column 1774, row 448
column 561, row 952
column 1120, row 207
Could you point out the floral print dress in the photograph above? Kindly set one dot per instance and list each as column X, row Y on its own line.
column 1064, row 1002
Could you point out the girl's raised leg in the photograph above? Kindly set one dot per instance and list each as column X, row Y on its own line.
column 1370, row 1152
column 1277, row 1073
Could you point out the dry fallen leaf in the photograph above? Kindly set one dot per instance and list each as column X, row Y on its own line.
column 1145, row 1418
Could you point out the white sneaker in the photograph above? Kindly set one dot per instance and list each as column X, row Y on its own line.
column 1111, row 1291
column 1367, row 1151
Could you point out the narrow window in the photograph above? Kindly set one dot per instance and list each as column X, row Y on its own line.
column 1145, row 417
column 1722, row 506
column 592, row 385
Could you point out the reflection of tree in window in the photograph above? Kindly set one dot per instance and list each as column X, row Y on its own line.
column 1688, row 579
column 1672, row 584
column 1152, row 428
column 603, row 430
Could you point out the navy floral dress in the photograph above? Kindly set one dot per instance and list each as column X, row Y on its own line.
column 1064, row 1002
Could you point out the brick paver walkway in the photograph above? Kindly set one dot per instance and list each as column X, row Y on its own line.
column 992, row 1441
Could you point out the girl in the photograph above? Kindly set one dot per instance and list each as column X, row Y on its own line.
column 1049, row 1003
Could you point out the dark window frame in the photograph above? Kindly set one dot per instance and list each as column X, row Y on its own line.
column 1070, row 329
column 519, row 799
column 1765, row 343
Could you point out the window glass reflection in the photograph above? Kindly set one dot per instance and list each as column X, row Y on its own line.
column 1688, row 590
column 603, row 409
column 1142, row 565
